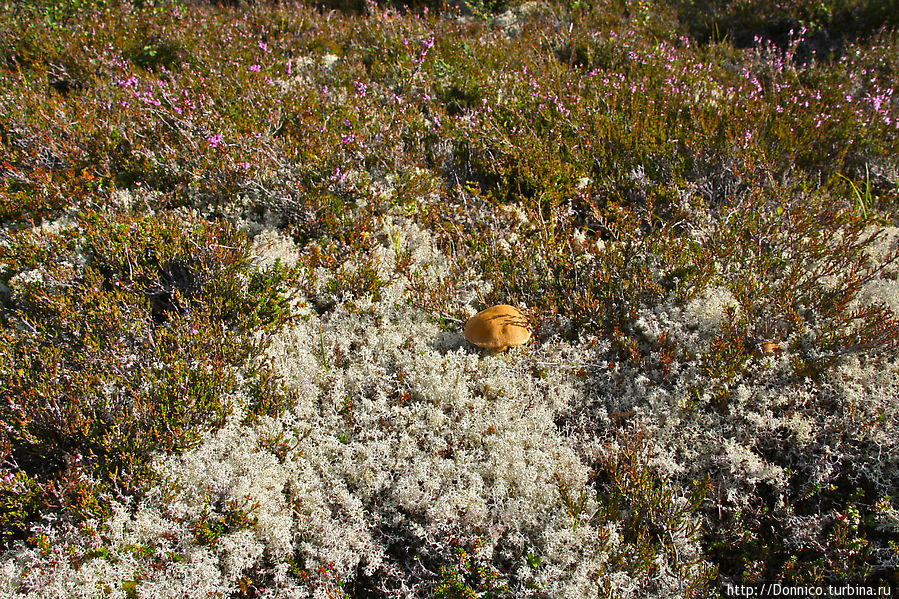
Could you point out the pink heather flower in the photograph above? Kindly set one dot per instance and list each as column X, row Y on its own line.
column 214, row 140
column 263, row 46
column 361, row 88
column 245, row 165
column 255, row 68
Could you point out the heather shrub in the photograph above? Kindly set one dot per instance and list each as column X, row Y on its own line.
column 101, row 311
column 831, row 22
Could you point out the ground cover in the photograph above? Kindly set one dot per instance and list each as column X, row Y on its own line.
column 239, row 244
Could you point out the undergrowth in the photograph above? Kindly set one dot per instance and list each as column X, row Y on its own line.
column 693, row 203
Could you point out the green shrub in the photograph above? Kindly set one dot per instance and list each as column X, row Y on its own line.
column 124, row 335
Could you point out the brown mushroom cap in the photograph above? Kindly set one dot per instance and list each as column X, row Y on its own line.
column 498, row 328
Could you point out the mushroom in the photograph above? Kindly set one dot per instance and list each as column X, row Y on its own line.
column 498, row 328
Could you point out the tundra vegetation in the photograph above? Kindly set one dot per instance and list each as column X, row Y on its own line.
column 239, row 241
